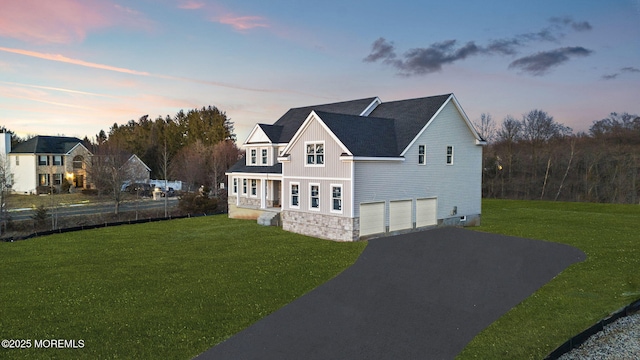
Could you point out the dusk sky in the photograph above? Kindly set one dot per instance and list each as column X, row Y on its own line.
column 74, row 67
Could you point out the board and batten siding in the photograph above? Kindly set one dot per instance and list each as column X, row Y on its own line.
column 334, row 172
column 458, row 185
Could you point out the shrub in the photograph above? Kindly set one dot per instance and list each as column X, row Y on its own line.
column 194, row 203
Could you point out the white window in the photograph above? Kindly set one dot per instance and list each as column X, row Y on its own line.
column 44, row 179
column 422, row 154
column 17, row 160
column 57, row 179
column 314, row 197
column 253, row 156
column 336, row 198
column 57, row 160
column 315, row 153
column 254, row 187
column 43, row 160
column 449, row 155
column 244, row 186
column 295, row 195
column 235, row 186
column 264, row 156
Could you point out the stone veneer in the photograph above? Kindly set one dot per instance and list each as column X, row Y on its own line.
column 323, row 226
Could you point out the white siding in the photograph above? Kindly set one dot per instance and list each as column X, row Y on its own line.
column 454, row 185
column 24, row 175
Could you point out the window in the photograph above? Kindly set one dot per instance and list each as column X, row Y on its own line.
column 264, row 157
column 43, row 160
column 449, row 155
column 315, row 197
column 17, row 160
column 244, row 186
column 44, row 179
column 235, row 186
column 295, row 195
column 57, row 179
column 336, row 198
column 422, row 154
column 254, row 187
column 77, row 162
column 57, row 160
column 253, row 156
column 315, row 153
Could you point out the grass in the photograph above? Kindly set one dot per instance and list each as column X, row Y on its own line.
column 15, row 201
column 165, row 290
column 581, row 295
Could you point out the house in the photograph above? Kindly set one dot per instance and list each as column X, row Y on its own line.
column 44, row 161
column 357, row 169
column 137, row 170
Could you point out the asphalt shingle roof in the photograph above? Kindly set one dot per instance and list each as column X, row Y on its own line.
column 241, row 167
column 47, row 145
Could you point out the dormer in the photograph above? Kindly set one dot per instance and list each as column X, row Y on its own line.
column 262, row 145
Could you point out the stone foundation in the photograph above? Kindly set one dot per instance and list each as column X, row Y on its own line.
column 323, row 226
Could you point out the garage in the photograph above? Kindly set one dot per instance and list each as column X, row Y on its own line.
column 426, row 212
column 372, row 218
column 400, row 215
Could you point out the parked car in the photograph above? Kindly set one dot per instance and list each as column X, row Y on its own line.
column 141, row 189
column 170, row 192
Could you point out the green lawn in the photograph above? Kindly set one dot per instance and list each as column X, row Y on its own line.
column 581, row 295
column 173, row 289
column 167, row 290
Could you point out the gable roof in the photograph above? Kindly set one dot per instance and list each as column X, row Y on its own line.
column 357, row 133
column 410, row 116
column 47, row 145
column 291, row 121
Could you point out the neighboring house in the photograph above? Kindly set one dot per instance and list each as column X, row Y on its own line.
column 44, row 161
column 137, row 170
column 357, row 169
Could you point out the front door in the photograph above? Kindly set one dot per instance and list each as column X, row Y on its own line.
column 78, row 181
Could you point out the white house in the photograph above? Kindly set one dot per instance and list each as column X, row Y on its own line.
column 44, row 161
column 356, row 169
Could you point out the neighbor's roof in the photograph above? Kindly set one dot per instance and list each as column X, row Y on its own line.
column 47, row 145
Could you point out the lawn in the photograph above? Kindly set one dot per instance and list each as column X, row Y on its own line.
column 581, row 295
column 165, row 290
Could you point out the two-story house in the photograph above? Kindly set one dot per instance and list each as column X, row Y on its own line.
column 357, row 169
column 45, row 161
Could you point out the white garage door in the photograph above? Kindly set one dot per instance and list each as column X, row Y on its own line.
column 371, row 218
column 400, row 214
column 426, row 212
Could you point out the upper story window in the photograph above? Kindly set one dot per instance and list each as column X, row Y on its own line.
column 422, row 154
column 43, row 160
column 315, row 153
column 58, row 160
column 254, row 156
column 449, row 155
column 77, row 162
column 264, row 153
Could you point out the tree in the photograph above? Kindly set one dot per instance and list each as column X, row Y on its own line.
column 6, row 178
column 109, row 172
column 486, row 127
column 225, row 154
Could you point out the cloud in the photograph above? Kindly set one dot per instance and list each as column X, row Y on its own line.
column 241, row 23
column 628, row 69
column 426, row 60
column 540, row 63
column 191, row 5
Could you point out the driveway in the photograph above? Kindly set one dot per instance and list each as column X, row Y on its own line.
column 422, row 295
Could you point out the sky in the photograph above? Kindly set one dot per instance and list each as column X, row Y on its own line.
column 75, row 67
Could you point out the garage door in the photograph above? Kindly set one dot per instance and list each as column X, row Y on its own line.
column 400, row 215
column 426, row 212
column 371, row 218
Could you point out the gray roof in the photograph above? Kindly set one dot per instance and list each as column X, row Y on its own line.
column 47, row 145
column 358, row 132
column 293, row 119
column 410, row 116
column 273, row 132
column 242, row 167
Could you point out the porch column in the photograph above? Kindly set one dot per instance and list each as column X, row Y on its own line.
column 263, row 194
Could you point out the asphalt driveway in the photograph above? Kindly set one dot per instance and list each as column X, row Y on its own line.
column 423, row 295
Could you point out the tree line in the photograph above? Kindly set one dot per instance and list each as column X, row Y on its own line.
column 536, row 157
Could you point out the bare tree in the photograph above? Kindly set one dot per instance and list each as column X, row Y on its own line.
column 6, row 181
column 109, row 172
column 486, row 127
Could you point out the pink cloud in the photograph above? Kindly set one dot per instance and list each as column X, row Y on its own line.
column 242, row 23
column 191, row 5
column 63, row 21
